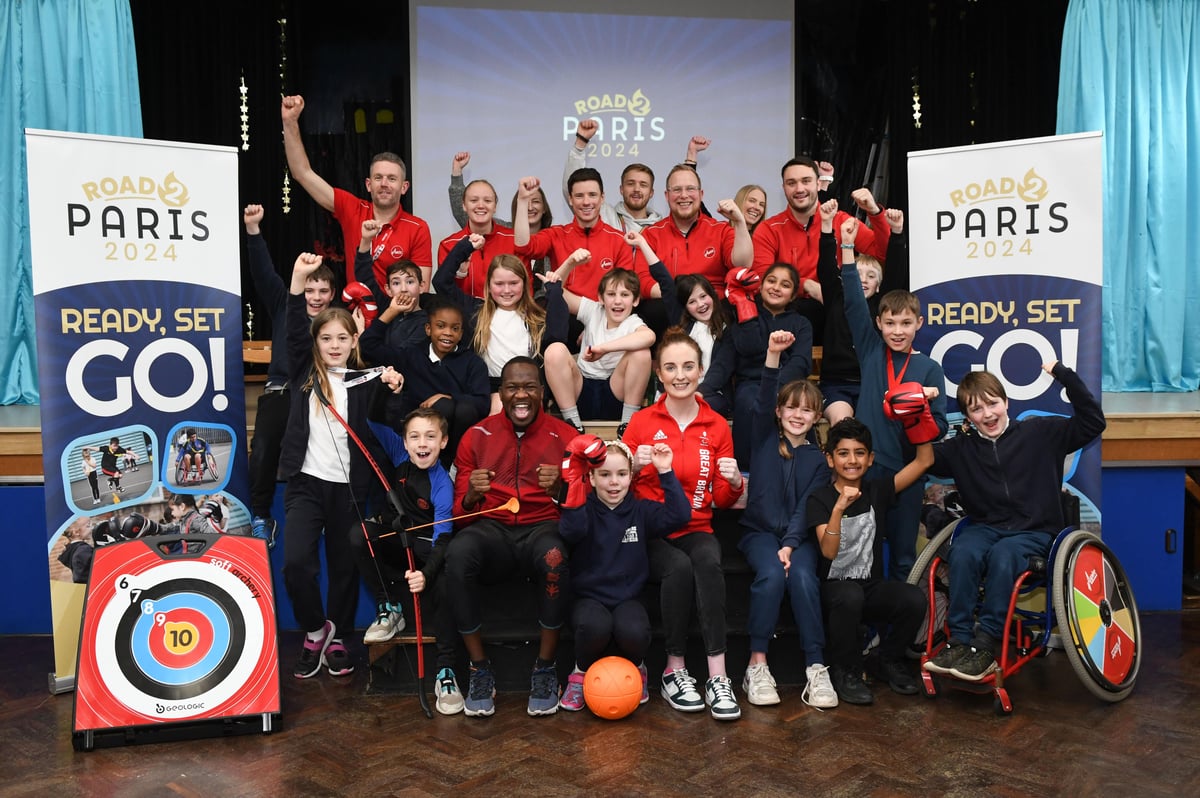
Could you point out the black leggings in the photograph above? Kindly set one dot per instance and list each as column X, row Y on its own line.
column 849, row 602
column 688, row 568
column 627, row 626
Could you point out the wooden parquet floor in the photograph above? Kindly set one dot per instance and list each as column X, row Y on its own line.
column 337, row 740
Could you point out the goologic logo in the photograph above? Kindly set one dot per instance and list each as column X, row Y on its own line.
column 1002, row 206
column 141, row 208
column 623, row 118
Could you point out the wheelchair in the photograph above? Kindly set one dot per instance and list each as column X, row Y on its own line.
column 1088, row 599
column 186, row 473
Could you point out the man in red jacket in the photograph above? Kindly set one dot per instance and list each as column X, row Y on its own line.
column 516, row 453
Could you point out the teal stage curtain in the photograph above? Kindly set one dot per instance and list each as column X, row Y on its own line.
column 65, row 65
column 1132, row 70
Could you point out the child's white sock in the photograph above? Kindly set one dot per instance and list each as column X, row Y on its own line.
column 627, row 412
column 571, row 416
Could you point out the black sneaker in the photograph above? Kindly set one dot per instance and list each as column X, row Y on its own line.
column 338, row 660
column 899, row 677
column 624, row 425
column 312, row 654
column 974, row 665
column 947, row 658
column 850, row 687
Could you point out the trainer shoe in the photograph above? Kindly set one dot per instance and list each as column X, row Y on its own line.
column 312, row 655
column 759, row 686
column 947, row 658
column 389, row 619
column 481, row 693
column 95, row 502
column 899, row 676
column 851, row 688
column 543, row 692
column 449, row 700
column 645, row 683
column 974, row 664
column 264, row 526
column 572, row 697
column 337, row 658
column 722, row 703
column 818, row 691
column 679, row 689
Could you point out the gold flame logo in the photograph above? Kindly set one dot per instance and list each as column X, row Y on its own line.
column 639, row 104
column 1033, row 187
column 173, row 192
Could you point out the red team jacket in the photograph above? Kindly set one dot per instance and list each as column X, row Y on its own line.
column 493, row 444
column 697, row 449
column 705, row 250
column 497, row 242
column 404, row 237
column 781, row 239
column 608, row 248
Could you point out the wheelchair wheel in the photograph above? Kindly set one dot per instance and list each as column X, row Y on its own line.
column 211, row 461
column 180, row 473
column 939, row 546
column 1097, row 616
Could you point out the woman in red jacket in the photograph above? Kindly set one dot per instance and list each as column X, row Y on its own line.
column 688, row 562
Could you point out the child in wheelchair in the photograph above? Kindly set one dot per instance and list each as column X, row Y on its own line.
column 1009, row 475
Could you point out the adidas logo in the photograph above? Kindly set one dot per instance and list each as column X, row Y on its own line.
column 660, row 436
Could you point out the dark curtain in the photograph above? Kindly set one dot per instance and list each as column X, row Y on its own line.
column 354, row 80
column 987, row 71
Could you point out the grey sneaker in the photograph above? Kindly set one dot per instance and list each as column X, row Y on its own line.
column 389, row 619
column 543, row 692
column 481, row 693
column 759, row 686
column 818, row 692
column 449, row 699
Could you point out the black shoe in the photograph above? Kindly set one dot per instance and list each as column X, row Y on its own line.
column 974, row 665
column 947, row 658
column 621, row 429
column 899, row 677
column 850, row 687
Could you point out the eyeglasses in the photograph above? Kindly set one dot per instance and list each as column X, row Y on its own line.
column 677, row 190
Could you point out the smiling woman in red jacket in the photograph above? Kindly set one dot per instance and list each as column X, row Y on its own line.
column 708, row 472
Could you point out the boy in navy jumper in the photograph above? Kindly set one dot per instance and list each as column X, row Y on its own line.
column 608, row 530
column 437, row 373
column 1009, row 475
column 889, row 368
column 400, row 297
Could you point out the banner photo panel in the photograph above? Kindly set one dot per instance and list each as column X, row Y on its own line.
column 1006, row 246
column 136, row 278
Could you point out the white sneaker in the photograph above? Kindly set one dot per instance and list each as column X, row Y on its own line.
column 819, row 691
column 759, row 686
column 388, row 622
column 679, row 689
column 449, row 698
column 722, row 703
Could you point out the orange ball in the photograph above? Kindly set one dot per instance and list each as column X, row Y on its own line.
column 612, row 687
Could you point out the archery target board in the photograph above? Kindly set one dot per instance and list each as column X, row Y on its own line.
column 177, row 637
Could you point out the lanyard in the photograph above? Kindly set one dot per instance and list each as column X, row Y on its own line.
column 894, row 379
column 364, row 375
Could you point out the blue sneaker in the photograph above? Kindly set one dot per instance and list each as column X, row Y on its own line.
column 481, row 693
column 264, row 527
column 543, row 692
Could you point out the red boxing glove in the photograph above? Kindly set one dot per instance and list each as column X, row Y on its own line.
column 740, row 289
column 907, row 404
column 584, row 453
column 358, row 297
